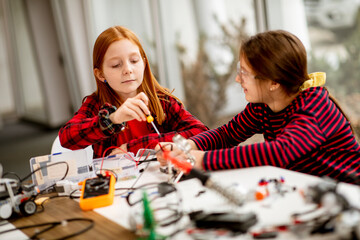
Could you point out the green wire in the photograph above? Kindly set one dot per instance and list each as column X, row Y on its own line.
column 149, row 220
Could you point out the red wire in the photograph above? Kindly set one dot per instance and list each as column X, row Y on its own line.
column 137, row 162
column 115, row 147
column 144, row 151
column 183, row 165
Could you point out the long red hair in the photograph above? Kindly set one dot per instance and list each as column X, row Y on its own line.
column 149, row 85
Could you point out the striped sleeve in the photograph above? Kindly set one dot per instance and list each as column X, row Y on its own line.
column 301, row 137
column 240, row 128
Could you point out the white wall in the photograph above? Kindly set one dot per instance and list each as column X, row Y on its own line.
column 7, row 103
column 290, row 16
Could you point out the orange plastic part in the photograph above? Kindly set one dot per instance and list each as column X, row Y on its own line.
column 261, row 194
column 104, row 200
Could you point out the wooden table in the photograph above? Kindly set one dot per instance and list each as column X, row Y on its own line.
column 112, row 222
column 61, row 208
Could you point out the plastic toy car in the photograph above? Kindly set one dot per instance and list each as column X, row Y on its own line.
column 16, row 198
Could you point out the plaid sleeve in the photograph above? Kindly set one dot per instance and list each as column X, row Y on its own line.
column 177, row 121
column 88, row 125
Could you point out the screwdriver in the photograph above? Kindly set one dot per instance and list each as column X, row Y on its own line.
column 150, row 119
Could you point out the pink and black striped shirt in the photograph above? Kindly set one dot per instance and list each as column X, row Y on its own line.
column 310, row 135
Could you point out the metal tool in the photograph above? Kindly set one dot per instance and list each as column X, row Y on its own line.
column 150, row 119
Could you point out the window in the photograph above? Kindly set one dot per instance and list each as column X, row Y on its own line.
column 334, row 30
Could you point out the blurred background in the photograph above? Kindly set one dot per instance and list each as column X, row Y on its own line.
column 46, row 57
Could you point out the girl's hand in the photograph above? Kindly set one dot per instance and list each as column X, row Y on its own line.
column 132, row 108
column 163, row 146
column 122, row 149
column 199, row 158
column 177, row 153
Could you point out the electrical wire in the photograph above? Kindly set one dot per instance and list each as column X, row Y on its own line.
column 167, row 221
column 132, row 187
column 162, row 148
column 48, row 165
column 125, row 152
column 145, row 161
column 153, row 184
column 47, row 199
column 115, row 147
column 71, row 194
column 110, row 170
column 170, row 219
column 12, row 173
column 21, row 180
column 53, row 225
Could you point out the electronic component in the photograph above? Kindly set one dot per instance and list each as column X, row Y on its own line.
column 97, row 192
column 17, row 198
column 233, row 196
column 333, row 213
column 66, row 187
column 75, row 167
column 184, row 146
column 236, row 222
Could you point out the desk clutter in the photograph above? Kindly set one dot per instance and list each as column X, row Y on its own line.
column 182, row 202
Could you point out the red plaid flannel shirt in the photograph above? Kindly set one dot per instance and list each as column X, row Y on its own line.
column 84, row 128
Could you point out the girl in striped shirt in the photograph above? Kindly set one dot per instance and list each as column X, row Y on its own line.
column 303, row 127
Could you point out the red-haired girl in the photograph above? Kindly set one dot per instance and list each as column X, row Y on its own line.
column 127, row 92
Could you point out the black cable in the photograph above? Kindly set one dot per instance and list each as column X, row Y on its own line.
column 53, row 185
column 163, row 189
column 164, row 222
column 110, row 170
column 74, row 191
column 150, row 160
column 83, row 230
column 146, row 159
column 43, row 202
column 132, row 187
column 38, row 232
column 53, row 225
column 48, row 165
column 125, row 188
column 161, row 148
column 12, row 173
column 154, row 184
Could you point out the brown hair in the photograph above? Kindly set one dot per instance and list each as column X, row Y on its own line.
column 280, row 56
column 149, row 86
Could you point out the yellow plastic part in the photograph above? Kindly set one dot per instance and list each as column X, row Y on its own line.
column 39, row 201
column 149, row 119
